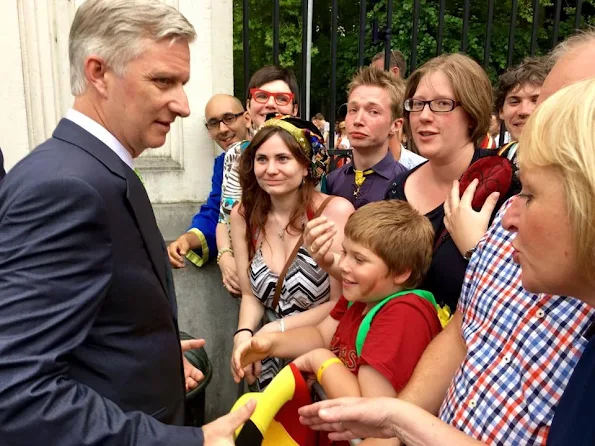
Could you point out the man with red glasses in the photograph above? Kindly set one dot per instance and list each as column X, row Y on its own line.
column 271, row 89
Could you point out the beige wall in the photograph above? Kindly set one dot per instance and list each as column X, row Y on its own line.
column 35, row 92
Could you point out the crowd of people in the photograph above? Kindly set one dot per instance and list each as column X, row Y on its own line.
column 425, row 284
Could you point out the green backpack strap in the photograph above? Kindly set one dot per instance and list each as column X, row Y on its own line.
column 364, row 327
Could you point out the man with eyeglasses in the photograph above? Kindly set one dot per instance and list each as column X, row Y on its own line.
column 227, row 124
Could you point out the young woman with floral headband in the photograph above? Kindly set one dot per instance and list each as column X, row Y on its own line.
column 278, row 174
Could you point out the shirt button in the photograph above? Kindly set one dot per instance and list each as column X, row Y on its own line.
column 507, row 358
column 540, row 314
column 473, row 403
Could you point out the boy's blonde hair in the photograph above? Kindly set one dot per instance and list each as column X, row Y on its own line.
column 398, row 234
column 560, row 135
column 373, row 77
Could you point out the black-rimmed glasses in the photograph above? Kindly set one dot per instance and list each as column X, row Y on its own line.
column 436, row 105
column 227, row 119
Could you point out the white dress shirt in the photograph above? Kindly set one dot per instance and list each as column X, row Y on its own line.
column 101, row 133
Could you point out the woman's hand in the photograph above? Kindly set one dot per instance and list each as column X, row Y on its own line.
column 227, row 265
column 465, row 225
column 349, row 418
column 318, row 238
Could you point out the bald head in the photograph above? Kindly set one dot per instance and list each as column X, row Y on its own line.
column 574, row 62
column 226, row 120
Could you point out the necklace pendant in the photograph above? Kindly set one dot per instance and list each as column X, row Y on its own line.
column 281, row 235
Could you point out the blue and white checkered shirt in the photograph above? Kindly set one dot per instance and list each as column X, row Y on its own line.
column 521, row 349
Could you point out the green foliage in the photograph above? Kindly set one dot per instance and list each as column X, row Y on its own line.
column 261, row 36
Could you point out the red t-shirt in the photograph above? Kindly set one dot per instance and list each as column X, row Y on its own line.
column 398, row 335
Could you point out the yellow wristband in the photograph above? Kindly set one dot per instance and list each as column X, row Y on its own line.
column 324, row 366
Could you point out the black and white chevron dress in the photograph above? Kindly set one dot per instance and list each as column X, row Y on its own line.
column 306, row 286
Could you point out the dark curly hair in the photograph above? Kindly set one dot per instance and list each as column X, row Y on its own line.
column 532, row 70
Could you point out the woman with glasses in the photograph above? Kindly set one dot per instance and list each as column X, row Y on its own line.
column 448, row 110
column 278, row 172
column 272, row 89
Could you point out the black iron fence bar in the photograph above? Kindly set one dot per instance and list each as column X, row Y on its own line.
column 276, row 32
column 413, row 61
column 466, row 10
column 331, row 133
column 556, row 23
column 577, row 17
column 440, row 27
column 246, row 44
column 362, row 32
column 303, row 95
column 488, row 42
column 534, row 27
column 388, row 35
column 512, row 28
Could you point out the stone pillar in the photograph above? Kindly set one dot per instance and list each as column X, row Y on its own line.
column 35, row 93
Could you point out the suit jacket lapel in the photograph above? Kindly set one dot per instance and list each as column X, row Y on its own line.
column 145, row 219
column 136, row 194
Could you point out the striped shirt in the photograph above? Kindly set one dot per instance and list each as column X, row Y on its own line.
column 521, row 349
column 231, row 191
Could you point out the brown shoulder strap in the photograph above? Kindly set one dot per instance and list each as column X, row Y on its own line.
column 291, row 257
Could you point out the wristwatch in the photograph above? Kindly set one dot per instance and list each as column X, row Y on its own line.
column 469, row 253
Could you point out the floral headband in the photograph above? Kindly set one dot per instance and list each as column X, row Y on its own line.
column 312, row 144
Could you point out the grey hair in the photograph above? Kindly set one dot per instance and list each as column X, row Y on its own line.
column 580, row 38
column 116, row 30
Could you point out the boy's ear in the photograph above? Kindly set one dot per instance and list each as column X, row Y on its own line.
column 401, row 278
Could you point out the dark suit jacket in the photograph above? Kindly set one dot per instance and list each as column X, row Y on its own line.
column 2, row 171
column 89, row 345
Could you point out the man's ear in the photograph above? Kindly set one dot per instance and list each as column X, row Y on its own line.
column 247, row 120
column 395, row 71
column 401, row 278
column 97, row 74
column 395, row 126
column 500, row 113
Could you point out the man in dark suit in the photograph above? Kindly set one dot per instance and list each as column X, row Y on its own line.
column 2, row 171
column 89, row 346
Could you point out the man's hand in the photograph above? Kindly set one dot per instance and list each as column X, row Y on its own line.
column 246, row 357
column 178, row 249
column 318, row 238
column 221, row 431
column 192, row 375
column 227, row 265
column 349, row 418
column 465, row 225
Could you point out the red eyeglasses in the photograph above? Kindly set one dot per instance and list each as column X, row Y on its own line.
column 262, row 96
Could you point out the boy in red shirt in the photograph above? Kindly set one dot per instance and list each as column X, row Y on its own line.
column 387, row 250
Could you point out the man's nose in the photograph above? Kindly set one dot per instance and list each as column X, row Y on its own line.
column 510, row 221
column 271, row 102
column 527, row 108
column 179, row 105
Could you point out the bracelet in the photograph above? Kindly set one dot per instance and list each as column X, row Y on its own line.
column 243, row 329
column 324, row 366
column 223, row 251
column 282, row 325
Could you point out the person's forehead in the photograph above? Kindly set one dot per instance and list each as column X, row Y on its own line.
column 526, row 89
column 369, row 94
column 435, row 83
column 222, row 105
column 575, row 66
column 277, row 86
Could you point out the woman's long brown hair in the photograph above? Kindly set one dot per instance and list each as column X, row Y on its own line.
column 256, row 203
